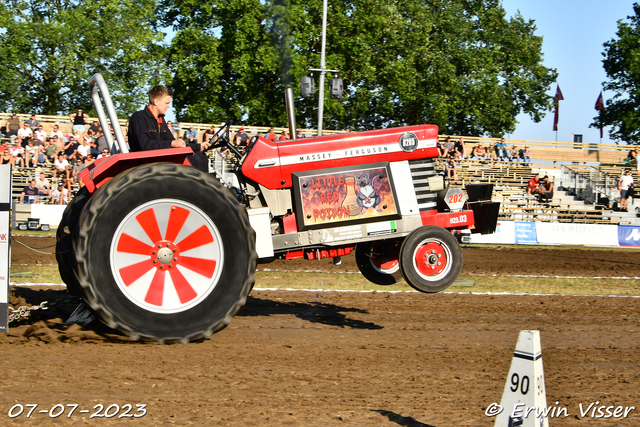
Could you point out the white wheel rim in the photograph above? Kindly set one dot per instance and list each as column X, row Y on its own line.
column 166, row 256
column 382, row 270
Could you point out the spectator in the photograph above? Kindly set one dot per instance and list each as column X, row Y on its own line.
column 191, row 136
column 285, row 135
column 241, row 138
column 51, row 147
column 17, row 152
column 501, row 149
column 448, row 147
column 300, row 135
column 101, row 141
column 546, row 190
column 441, row 148
column 32, row 193
column 458, row 149
column 25, row 131
column 491, row 152
column 526, row 156
column 208, row 134
column 534, row 183
column 33, row 122
column 40, row 135
column 78, row 166
column 60, row 195
column 43, row 185
column 451, row 170
column 79, row 120
column 71, row 148
column 7, row 158
column 4, row 145
column 515, row 155
column 271, row 135
column 12, row 126
column 94, row 126
column 173, row 131
column 83, row 148
column 625, row 185
column 61, row 165
column 56, row 132
column 30, row 152
column 104, row 153
column 479, row 153
column 632, row 157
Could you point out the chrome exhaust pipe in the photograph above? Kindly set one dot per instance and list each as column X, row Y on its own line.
column 291, row 113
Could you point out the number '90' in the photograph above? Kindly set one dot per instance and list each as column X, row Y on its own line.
column 516, row 384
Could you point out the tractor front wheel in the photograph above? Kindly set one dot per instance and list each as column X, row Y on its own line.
column 430, row 259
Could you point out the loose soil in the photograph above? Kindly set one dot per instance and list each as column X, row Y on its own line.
column 340, row 359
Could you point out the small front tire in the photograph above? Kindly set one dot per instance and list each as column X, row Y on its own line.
column 430, row 259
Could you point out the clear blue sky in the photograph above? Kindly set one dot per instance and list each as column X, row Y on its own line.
column 573, row 32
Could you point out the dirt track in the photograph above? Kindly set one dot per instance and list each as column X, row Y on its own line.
column 357, row 359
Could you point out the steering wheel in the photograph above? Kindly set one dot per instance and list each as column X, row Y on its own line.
column 224, row 140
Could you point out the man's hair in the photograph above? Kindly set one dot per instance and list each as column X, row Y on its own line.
column 158, row 92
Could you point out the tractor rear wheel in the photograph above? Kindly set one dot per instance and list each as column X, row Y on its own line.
column 378, row 261
column 64, row 249
column 164, row 252
column 430, row 259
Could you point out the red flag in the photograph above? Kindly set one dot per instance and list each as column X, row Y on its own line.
column 600, row 106
column 600, row 103
column 558, row 97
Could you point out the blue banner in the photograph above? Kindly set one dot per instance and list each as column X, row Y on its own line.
column 526, row 233
column 628, row 235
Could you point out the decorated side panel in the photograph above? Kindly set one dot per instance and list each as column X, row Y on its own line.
column 348, row 195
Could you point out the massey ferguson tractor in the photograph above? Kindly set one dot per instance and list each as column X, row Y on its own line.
column 162, row 251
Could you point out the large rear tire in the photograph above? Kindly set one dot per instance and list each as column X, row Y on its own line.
column 164, row 252
column 64, row 248
column 378, row 261
column 430, row 259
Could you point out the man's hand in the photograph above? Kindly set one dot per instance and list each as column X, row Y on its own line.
column 204, row 146
column 178, row 143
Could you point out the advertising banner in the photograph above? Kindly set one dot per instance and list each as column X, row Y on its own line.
column 505, row 234
column 48, row 214
column 525, row 233
column 340, row 196
column 628, row 235
column 577, row 234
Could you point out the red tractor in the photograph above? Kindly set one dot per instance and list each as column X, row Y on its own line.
column 159, row 250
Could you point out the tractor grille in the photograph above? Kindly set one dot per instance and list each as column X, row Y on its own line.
column 421, row 170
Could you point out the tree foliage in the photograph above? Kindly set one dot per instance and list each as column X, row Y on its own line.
column 50, row 49
column 460, row 64
column 622, row 64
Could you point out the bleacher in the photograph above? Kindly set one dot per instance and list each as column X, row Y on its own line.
column 509, row 179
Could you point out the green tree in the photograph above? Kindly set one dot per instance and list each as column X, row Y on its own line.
column 50, row 49
column 622, row 64
column 460, row 64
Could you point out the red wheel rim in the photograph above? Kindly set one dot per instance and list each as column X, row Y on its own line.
column 389, row 266
column 432, row 259
column 166, row 256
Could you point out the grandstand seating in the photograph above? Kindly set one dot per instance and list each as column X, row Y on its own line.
column 510, row 180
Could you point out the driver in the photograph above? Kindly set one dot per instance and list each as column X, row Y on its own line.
column 148, row 129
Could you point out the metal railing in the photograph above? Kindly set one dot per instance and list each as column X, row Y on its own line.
column 589, row 185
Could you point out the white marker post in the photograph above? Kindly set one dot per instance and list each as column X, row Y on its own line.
column 5, row 248
column 524, row 400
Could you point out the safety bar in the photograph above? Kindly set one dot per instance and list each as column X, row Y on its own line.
column 97, row 82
